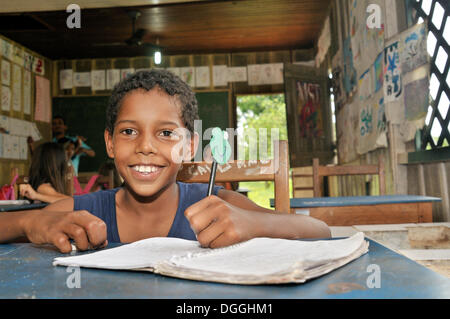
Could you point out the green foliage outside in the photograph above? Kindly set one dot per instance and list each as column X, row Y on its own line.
column 261, row 111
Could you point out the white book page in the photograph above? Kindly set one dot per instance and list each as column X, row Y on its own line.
column 141, row 254
column 268, row 256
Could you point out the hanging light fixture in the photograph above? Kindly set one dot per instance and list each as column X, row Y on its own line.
column 157, row 55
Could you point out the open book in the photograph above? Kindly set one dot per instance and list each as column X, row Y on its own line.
column 257, row 261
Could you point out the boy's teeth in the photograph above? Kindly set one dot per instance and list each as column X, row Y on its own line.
column 144, row 169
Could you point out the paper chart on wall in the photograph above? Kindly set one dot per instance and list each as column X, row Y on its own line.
column 23, row 148
column 26, row 92
column 43, row 110
column 6, row 98
column 7, row 146
column 112, row 78
column 82, row 79
column 187, row 74
column 6, row 72
column 220, row 75
column 260, row 74
column 7, row 50
column 237, row 74
column 17, row 88
column 65, row 79
column 202, row 78
column 18, row 56
column 98, row 80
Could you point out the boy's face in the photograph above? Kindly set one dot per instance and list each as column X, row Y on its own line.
column 58, row 126
column 146, row 132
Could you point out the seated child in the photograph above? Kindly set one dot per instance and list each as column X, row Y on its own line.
column 46, row 175
column 148, row 115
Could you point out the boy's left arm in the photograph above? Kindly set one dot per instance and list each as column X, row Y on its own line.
column 231, row 217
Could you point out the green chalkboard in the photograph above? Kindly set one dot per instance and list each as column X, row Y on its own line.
column 85, row 116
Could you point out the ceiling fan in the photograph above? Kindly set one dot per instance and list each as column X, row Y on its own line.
column 136, row 36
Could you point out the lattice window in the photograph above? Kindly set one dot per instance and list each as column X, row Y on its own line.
column 436, row 133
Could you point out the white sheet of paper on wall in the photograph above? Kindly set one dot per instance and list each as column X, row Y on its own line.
column 82, row 79
column 202, row 78
column 38, row 66
column 34, row 132
column 65, row 79
column 98, row 80
column 7, row 146
column 112, row 78
column 6, row 98
column 220, row 75
column 17, row 88
column 4, row 122
column 15, row 150
column 7, row 50
column 26, row 92
column 18, row 56
column 6, row 72
column 237, row 74
column 23, row 148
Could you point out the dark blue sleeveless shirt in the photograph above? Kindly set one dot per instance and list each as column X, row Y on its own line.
column 103, row 205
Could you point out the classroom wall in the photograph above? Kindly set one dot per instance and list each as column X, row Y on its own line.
column 6, row 164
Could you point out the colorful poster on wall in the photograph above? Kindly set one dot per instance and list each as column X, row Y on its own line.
column 392, row 85
column 309, row 115
column 365, row 84
column 43, row 109
column 187, row 74
column 350, row 74
column 414, row 48
column 378, row 72
column 372, row 124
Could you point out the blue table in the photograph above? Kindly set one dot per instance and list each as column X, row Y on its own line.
column 26, row 271
column 12, row 208
column 363, row 210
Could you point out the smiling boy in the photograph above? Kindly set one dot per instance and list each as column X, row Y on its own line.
column 146, row 114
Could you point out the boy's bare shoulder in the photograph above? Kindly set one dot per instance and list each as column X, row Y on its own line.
column 63, row 205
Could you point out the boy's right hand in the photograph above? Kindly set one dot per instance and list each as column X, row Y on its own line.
column 57, row 228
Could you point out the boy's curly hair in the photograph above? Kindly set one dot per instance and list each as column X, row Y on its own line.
column 147, row 80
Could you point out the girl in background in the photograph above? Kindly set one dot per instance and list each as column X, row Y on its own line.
column 47, row 174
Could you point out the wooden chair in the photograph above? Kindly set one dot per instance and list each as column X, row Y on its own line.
column 84, row 178
column 247, row 171
column 345, row 170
